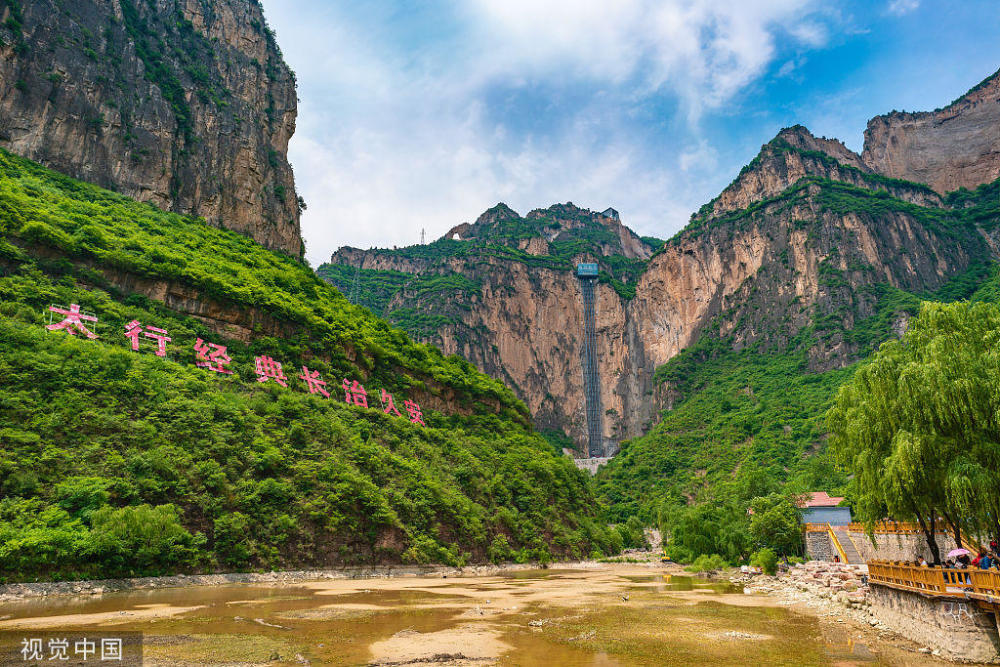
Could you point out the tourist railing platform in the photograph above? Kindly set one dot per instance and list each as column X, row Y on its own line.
column 980, row 585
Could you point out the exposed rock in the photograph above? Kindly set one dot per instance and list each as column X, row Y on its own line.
column 951, row 148
column 185, row 104
column 777, row 251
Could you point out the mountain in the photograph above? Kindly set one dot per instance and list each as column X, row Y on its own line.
column 117, row 461
column 503, row 294
column 184, row 104
column 811, row 254
column 950, row 148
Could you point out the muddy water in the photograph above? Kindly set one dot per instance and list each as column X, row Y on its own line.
column 607, row 616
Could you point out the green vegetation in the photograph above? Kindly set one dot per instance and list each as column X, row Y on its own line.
column 760, row 411
column 918, row 425
column 438, row 287
column 707, row 563
column 766, row 560
column 114, row 462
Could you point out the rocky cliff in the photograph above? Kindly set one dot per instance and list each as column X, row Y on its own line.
column 954, row 147
column 806, row 248
column 184, row 104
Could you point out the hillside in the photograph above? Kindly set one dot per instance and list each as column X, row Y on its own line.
column 116, row 462
column 184, row 104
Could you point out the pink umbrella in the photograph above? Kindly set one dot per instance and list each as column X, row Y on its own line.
column 957, row 552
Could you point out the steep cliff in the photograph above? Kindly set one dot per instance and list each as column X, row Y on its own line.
column 808, row 249
column 506, row 298
column 951, row 148
column 184, row 104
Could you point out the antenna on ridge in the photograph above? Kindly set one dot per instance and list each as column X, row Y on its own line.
column 423, row 235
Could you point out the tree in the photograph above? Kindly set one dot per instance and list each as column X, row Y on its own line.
column 775, row 524
column 918, row 425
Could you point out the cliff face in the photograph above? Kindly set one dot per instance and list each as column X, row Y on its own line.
column 807, row 244
column 181, row 103
column 954, row 147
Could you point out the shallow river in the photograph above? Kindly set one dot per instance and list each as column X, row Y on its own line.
column 607, row 616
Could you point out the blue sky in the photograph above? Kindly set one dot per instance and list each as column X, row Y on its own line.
column 421, row 115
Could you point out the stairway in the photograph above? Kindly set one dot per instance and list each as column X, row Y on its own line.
column 840, row 534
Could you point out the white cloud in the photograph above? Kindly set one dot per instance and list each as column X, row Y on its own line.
column 901, row 7
column 394, row 137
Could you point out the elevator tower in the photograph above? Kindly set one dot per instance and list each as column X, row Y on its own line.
column 587, row 275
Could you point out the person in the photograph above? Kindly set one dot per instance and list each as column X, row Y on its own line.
column 975, row 561
column 993, row 546
column 836, row 559
column 922, row 562
column 985, row 562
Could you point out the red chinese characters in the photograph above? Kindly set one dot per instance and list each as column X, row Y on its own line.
column 388, row 406
column 134, row 329
column 315, row 384
column 269, row 369
column 354, row 393
column 73, row 322
column 212, row 356
column 416, row 416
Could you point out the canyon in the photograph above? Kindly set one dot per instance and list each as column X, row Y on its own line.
column 800, row 249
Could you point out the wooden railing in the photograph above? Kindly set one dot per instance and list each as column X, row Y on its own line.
column 816, row 527
column 891, row 527
column 911, row 528
column 935, row 580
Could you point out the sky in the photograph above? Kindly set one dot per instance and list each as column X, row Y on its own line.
column 421, row 115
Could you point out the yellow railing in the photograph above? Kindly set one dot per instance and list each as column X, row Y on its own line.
column 816, row 527
column 836, row 543
column 891, row 527
column 935, row 580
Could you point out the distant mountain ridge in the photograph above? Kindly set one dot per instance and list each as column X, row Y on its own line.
column 800, row 249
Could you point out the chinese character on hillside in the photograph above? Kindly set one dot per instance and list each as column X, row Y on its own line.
column 133, row 330
column 388, row 406
column 316, row 385
column 212, row 356
column 355, row 393
column 416, row 416
column 73, row 322
column 269, row 369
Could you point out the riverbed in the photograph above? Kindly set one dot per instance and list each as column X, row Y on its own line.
column 599, row 615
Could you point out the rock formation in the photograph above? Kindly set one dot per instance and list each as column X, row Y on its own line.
column 800, row 244
column 185, row 104
column 951, row 148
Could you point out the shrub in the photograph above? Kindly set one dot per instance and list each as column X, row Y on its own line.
column 766, row 560
column 707, row 563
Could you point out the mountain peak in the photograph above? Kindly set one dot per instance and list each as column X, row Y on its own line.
column 954, row 147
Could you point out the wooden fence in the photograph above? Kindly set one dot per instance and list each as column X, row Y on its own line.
column 984, row 584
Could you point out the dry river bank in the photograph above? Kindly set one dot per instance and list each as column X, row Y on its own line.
column 590, row 613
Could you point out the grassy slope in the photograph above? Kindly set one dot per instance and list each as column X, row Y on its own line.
column 113, row 462
column 762, row 406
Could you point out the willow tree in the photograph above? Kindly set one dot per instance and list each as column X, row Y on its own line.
column 918, row 425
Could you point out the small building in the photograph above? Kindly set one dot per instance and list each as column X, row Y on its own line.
column 820, row 507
